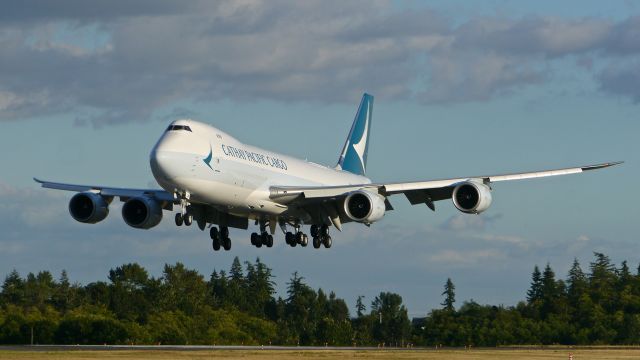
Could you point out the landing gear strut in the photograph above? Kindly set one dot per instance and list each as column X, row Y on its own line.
column 321, row 236
column 220, row 238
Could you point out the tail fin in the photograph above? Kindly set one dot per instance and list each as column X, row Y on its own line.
column 354, row 153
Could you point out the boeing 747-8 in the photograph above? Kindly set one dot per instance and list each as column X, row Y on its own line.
column 219, row 182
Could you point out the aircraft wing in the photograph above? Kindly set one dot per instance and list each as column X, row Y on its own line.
column 420, row 192
column 122, row 193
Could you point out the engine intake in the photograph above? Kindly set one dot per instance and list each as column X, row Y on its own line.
column 142, row 212
column 88, row 207
column 364, row 206
column 471, row 197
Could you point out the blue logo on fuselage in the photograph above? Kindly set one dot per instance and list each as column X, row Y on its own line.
column 207, row 160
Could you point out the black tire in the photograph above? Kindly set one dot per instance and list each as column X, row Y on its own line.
column 327, row 242
column 179, row 219
column 305, row 240
column 289, row 237
column 226, row 243
column 254, row 239
column 259, row 242
column 299, row 237
column 314, row 231
column 270, row 241
column 213, row 233
column 316, row 242
column 224, row 232
column 324, row 231
column 215, row 243
column 188, row 220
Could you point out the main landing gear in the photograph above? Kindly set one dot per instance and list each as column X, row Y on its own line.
column 264, row 238
column 321, row 236
column 220, row 238
column 297, row 238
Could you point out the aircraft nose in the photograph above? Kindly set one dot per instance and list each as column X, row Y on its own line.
column 161, row 164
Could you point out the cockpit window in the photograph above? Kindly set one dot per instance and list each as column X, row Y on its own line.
column 179, row 127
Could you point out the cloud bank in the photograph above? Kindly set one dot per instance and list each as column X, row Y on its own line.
column 111, row 62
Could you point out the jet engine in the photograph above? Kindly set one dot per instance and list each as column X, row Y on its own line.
column 88, row 207
column 364, row 206
column 471, row 197
column 142, row 212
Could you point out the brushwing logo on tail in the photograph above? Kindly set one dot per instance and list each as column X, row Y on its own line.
column 354, row 156
column 361, row 146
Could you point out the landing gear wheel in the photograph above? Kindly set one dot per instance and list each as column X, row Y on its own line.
column 324, row 231
column 255, row 238
column 314, row 231
column 299, row 237
column 224, row 232
column 289, row 238
column 269, row 241
column 188, row 219
column 316, row 242
column 327, row 242
column 305, row 240
column 226, row 243
column 213, row 233
column 179, row 219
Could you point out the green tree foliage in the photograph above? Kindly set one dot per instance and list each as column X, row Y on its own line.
column 449, row 295
column 238, row 306
column 393, row 326
column 601, row 307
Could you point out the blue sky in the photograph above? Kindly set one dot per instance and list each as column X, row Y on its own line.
column 461, row 89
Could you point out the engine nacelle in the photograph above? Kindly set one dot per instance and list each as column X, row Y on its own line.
column 364, row 206
column 142, row 212
column 471, row 197
column 88, row 207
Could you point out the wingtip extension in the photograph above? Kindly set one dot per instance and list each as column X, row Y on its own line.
column 601, row 166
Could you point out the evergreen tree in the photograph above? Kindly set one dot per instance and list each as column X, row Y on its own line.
column 236, row 286
column 577, row 283
column 534, row 294
column 259, row 287
column 450, row 295
column 602, row 281
column 64, row 295
column 13, row 289
column 549, row 293
column 360, row 307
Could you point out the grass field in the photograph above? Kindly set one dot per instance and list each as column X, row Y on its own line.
column 578, row 354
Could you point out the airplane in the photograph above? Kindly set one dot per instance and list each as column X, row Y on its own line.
column 220, row 182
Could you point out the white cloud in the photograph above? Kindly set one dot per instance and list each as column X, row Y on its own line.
column 281, row 51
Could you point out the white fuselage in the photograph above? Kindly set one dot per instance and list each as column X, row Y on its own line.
column 216, row 169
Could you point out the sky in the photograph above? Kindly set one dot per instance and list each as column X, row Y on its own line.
column 461, row 89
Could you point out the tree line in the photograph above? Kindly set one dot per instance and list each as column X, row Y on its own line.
column 598, row 307
column 240, row 306
column 237, row 306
